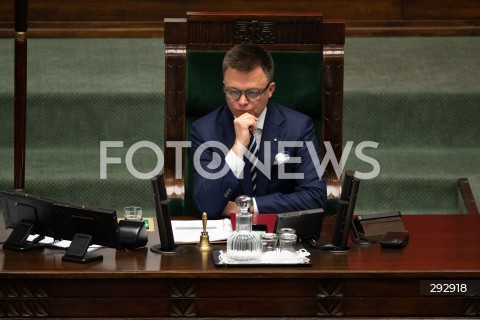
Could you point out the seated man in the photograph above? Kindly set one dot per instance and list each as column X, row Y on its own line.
column 254, row 147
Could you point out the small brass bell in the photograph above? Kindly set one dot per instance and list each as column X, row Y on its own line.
column 204, row 243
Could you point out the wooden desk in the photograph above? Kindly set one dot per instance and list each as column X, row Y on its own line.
column 367, row 281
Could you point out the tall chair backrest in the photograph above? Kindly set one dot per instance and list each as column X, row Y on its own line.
column 308, row 52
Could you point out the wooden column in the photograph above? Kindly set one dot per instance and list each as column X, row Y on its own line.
column 175, row 71
column 20, row 92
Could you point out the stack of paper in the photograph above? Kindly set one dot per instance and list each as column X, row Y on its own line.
column 189, row 231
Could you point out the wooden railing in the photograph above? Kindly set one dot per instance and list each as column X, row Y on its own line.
column 144, row 18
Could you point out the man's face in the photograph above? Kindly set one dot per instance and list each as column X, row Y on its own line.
column 255, row 80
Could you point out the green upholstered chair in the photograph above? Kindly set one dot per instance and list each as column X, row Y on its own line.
column 308, row 52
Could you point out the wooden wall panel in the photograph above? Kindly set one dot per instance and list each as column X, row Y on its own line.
column 441, row 10
column 144, row 18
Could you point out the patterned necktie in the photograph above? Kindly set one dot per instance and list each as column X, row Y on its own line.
column 253, row 158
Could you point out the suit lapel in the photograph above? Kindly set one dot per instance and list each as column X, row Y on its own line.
column 274, row 131
column 225, row 131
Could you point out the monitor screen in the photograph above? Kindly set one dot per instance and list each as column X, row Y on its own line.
column 100, row 224
column 19, row 206
column 307, row 223
column 27, row 215
column 344, row 215
column 162, row 213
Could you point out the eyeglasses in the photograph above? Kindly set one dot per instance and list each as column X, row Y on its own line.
column 252, row 95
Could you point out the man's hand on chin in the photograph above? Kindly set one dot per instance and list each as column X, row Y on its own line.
column 244, row 125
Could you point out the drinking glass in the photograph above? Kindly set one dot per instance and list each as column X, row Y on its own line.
column 285, row 230
column 269, row 242
column 133, row 213
column 287, row 242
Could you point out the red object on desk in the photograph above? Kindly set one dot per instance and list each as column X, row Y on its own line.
column 264, row 218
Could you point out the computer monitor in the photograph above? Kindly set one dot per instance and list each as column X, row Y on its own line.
column 26, row 214
column 162, row 212
column 85, row 226
column 346, row 207
column 307, row 223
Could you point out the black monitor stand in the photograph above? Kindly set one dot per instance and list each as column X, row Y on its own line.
column 359, row 239
column 17, row 241
column 77, row 251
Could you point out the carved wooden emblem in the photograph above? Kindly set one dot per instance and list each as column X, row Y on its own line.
column 183, row 289
column 259, row 32
column 329, row 307
column 183, row 308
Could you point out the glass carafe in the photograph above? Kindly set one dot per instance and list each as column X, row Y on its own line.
column 243, row 245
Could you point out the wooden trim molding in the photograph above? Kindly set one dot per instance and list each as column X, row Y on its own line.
column 466, row 195
column 144, row 18
column 333, row 71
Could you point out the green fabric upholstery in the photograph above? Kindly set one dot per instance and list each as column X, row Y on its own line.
column 419, row 99
column 203, row 82
column 298, row 77
column 81, row 92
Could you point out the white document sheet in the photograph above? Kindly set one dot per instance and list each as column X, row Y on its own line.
column 189, row 231
column 63, row 244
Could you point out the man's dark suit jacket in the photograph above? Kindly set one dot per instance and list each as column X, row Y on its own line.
column 212, row 191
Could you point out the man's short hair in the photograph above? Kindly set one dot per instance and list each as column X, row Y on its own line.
column 247, row 57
